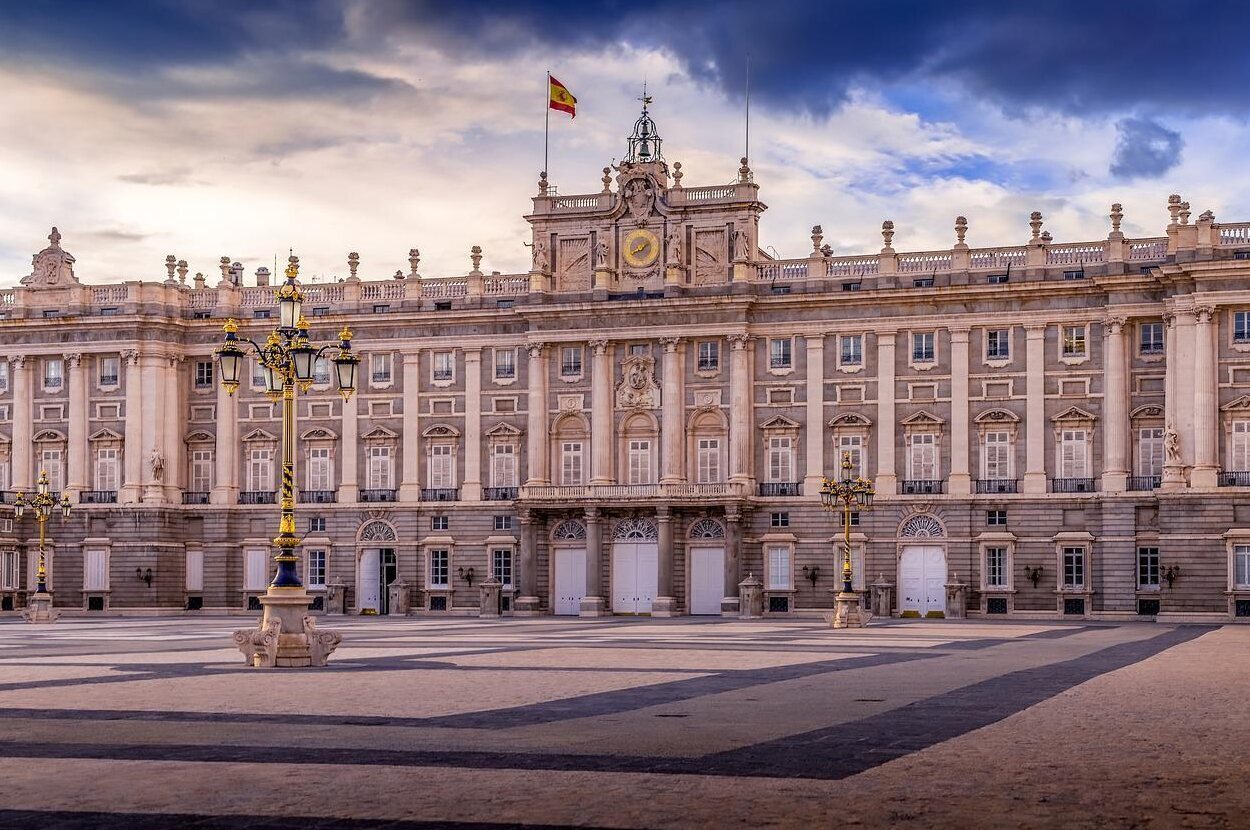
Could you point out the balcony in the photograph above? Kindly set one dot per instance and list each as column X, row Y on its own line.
column 97, row 497
column 499, row 493
column 631, row 492
column 1144, row 482
column 1235, row 478
column 997, row 485
column 377, row 495
column 8, row 497
column 316, row 496
column 440, row 494
column 923, row 486
column 779, row 488
column 1072, row 485
column 195, row 497
column 258, row 497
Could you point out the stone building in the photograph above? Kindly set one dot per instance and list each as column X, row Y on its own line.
column 645, row 418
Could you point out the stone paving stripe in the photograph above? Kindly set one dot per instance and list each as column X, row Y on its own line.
column 71, row 820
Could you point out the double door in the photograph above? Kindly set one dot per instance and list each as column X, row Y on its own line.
column 635, row 576
column 378, row 569
column 570, row 581
column 922, row 579
column 707, row 580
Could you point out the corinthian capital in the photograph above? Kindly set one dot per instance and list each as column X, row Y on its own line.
column 1204, row 313
column 739, row 341
column 599, row 346
column 670, row 343
column 1113, row 324
column 131, row 357
column 73, row 359
column 535, row 350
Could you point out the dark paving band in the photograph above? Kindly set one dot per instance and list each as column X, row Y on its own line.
column 66, row 820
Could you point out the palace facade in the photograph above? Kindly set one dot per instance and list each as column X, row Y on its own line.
column 644, row 419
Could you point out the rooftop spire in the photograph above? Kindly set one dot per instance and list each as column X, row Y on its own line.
column 644, row 144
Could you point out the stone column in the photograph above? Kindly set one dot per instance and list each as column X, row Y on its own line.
column 23, row 418
column 1206, row 400
column 76, row 481
column 527, row 604
column 1035, row 409
column 815, row 429
column 152, row 376
column 672, row 409
column 1115, row 399
column 132, row 479
column 1173, row 467
column 887, row 477
column 960, row 479
column 733, row 541
column 472, row 487
column 664, row 604
column 740, row 411
column 225, row 448
column 536, row 417
column 601, row 414
column 593, row 602
column 410, row 476
column 176, row 419
column 349, row 464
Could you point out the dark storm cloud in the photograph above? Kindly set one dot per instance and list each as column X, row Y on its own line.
column 1144, row 149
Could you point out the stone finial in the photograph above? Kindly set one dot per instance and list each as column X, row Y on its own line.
column 236, row 273
column 353, row 263
column 1035, row 222
column 607, row 179
column 1207, row 216
column 171, row 264
column 677, row 174
column 182, row 271
column 1117, row 214
column 198, row 279
column 262, row 276
column 744, row 171
column 414, row 259
column 826, row 250
column 543, row 187
column 1046, row 237
column 887, row 233
column 475, row 254
column 1174, row 206
column 54, row 238
column 224, row 265
column 961, row 229
column 1185, row 213
column 818, row 235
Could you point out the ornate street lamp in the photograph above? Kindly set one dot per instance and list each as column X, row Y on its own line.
column 849, row 495
column 287, row 359
column 43, row 504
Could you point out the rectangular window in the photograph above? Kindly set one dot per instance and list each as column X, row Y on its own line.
column 203, row 374
column 5, row 477
column 997, row 459
column 442, row 467
column 319, row 477
column 9, row 574
column 851, row 349
column 1241, row 566
column 444, row 365
column 779, row 568
column 1241, row 327
column 640, row 349
column 503, row 472
column 999, row 279
column 998, row 344
column 996, row 518
column 378, row 472
column 780, row 459
column 1073, row 454
column 317, row 524
column 51, row 462
column 779, row 520
column 201, row 471
column 1150, row 451
column 571, row 361
column 258, row 374
column 53, row 372
column 321, row 371
column 922, row 347
column 709, row 356
column 1073, row 568
column 707, row 461
column 852, row 445
column 639, row 462
column 1240, row 449
column 440, row 568
column 996, row 567
column 501, row 566
column 1148, row 567
column 1074, row 341
column 380, row 368
column 505, row 364
column 260, row 471
column 106, row 472
column 922, row 462
column 110, row 371
column 439, row 522
column 780, row 353
column 315, row 577
column 503, row 523
column 4, row 375
column 1151, row 338
column 571, row 463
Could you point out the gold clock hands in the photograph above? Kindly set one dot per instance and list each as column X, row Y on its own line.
column 641, row 246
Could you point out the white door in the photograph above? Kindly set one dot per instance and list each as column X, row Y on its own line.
column 367, row 580
column 707, row 577
column 922, row 579
column 635, row 576
column 570, row 581
column 195, row 569
column 256, row 575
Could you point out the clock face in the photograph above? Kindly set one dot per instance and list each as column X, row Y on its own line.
column 641, row 248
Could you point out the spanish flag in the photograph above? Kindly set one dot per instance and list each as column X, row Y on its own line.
column 560, row 97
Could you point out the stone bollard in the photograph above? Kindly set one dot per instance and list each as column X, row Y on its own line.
column 397, row 593
column 489, row 597
column 956, row 599
column 882, row 597
column 336, row 598
column 750, row 598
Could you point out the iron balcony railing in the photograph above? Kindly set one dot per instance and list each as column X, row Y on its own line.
column 317, row 496
column 97, row 497
column 922, row 486
column 997, row 485
column 258, row 497
column 1235, row 478
column 440, row 494
column 377, row 495
column 1072, row 485
column 779, row 488
column 1144, row 482
column 195, row 497
column 499, row 493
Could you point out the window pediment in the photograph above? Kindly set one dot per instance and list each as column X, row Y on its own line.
column 105, row 435
column 503, row 431
column 318, row 434
column 1147, row 411
column 923, row 419
column 994, row 417
column 850, row 419
column 780, row 423
column 1074, row 416
column 1238, row 405
column 258, row 435
column 436, row 431
column 48, row 436
column 199, row 437
column 380, row 433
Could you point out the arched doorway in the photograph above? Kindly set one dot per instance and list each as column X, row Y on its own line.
column 376, row 567
column 707, row 566
column 922, row 566
column 635, row 566
column 568, row 548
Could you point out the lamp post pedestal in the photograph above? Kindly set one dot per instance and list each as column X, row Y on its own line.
column 847, row 612
column 39, row 609
column 288, row 636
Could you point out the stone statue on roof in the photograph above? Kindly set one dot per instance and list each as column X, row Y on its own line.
column 53, row 267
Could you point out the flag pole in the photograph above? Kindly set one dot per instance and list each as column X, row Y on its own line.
column 546, row 119
column 746, row 150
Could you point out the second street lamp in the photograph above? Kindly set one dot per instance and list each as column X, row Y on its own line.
column 43, row 504
column 850, row 495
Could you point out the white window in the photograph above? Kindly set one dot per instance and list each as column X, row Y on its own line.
column 998, row 344
column 50, row 462
column 1241, row 327
column 380, row 368
column 444, row 365
column 4, row 375
column 922, row 461
column 503, row 472
column 9, row 573
column 110, row 370
column 996, row 458
column 106, row 469
column 640, row 349
column 851, row 349
column 639, row 462
column 315, row 574
column 501, row 566
column 780, row 353
column 1073, row 568
column 95, row 569
column 708, row 461
column 1150, row 451
column 1240, row 449
column 378, row 473
column 780, row 459
column 6, row 477
column 571, row 361
column 201, row 471
column 779, row 576
column 1074, row 341
column 996, row 568
column 923, row 349
column 1241, row 566
column 1148, row 567
column 440, row 568
column 260, row 471
column 320, row 477
column 505, row 364
column 442, row 467
column 852, row 445
column 1073, row 454
column 53, row 372
column 258, row 374
column 571, row 463
column 709, row 356
column 256, row 570
column 1151, row 338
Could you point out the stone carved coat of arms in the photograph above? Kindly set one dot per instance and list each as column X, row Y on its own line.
column 638, row 389
column 639, row 196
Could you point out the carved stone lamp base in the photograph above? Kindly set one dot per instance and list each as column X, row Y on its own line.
column 847, row 612
column 288, row 636
column 39, row 609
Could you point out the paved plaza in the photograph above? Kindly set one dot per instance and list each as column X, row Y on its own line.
column 146, row 723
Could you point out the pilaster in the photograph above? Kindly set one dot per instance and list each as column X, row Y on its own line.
column 225, row 448
column 814, row 450
column 471, row 490
column 1115, row 407
column 672, row 452
column 1205, row 471
column 536, row 416
column 664, row 604
column 887, row 479
column 740, row 410
column 132, row 479
column 152, row 377
column 349, row 479
column 593, row 602
column 960, row 483
column 76, row 480
column 23, row 419
column 410, row 470
column 175, row 420
column 1035, row 409
column 601, row 467
column 527, row 604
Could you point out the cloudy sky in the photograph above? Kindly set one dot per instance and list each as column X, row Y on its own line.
column 206, row 128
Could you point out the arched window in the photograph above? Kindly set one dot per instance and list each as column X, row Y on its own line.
column 633, row 529
column 922, row 527
column 707, row 529
column 569, row 530
column 377, row 531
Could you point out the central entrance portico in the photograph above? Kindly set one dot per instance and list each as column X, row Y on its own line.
column 922, row 566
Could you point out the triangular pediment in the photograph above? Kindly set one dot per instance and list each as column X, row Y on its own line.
column 380, row 433
column 259, row 434
column 105, row 435
column 503, row 431
column 1074, row 413
column 780, row 422
column 1241, row 404
column 922, row 418
column 997, row 416
column 441, row 431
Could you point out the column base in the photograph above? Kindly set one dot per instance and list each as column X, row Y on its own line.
column 406, row 492
column 287, row 636
column 1034, row 484
column 593, row 607
column 886, row 484
column 527, row 607
column 1173, row 477
column 664, row 607
column 153, row 494
column 959, row 484
column 812, row 485
column 39, row 610
column 741, row 272
column 1204, row 477
column 847, row 612
column 1115, row 481
column 674, row 275
column 129, row 494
